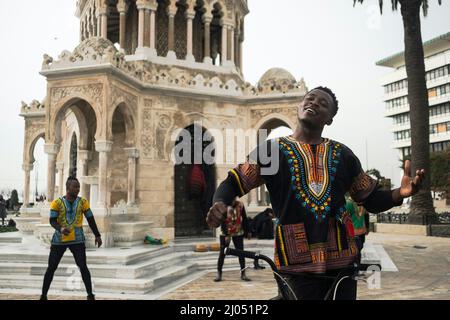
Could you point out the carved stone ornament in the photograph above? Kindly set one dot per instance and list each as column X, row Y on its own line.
column 92, row 91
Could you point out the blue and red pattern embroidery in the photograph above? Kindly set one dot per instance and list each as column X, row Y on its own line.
column 312, row 174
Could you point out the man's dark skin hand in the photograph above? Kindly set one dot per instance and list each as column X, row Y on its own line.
column 217, row 214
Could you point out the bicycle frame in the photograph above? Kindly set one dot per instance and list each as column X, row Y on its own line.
column 286, row 291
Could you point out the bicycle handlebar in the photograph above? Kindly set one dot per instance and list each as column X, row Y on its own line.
column 241, row 254
column 250, row 255
column 255, row 256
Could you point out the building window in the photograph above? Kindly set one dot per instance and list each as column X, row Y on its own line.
column 440, row 128
column 441, row 109
column 438, row 73
column 440, row 146
column 401, row 119
column 439, row 91
column 432, row 93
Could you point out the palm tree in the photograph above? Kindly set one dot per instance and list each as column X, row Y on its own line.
column 422, row 203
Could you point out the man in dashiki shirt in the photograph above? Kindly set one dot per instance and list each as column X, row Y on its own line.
column 307, row 177
column 66, row 217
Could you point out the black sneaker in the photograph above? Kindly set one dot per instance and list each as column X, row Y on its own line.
column 219, row 277
column 91, row 297
column 244, row 277
column 43, row 298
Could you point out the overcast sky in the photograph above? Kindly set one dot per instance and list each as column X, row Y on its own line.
column 327, row 42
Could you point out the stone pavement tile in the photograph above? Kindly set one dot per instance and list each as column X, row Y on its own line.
column 421, row 271
column 423, row 274
column 262, row 287
column 7, row 296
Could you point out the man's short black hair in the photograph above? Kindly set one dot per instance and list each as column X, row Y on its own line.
column 70, row 180
column 331, row 93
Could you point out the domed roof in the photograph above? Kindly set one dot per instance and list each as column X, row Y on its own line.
column 276, row 76
column 277, row 80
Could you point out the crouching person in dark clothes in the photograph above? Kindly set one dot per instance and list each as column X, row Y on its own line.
column 66, row 216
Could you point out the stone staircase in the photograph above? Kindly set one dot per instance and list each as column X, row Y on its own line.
column 133, row 272
column 141, row 272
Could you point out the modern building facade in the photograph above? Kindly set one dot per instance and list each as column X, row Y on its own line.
column 437, row 67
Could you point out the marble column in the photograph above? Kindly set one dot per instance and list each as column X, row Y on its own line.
column 153, row 30
column 171, row 34
column 224, row 51
column 141, row 27
column 133, row 155
column 207, row 21
column 231, row 44
column 99, row 23
column 253, row 195
column 190, row 15
column 60, row 168
column 83, row 157
column 236, row 47
column 122, row 8
column 171, row 12
column 241, row 46
column 27, row 167
column 104, row 22
column 103, row 148
column 52, row 151
column 264, row 199
column 147, row 28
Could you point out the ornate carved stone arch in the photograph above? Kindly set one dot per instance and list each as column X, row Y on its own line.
column 31, row 140
column 129, row 119
column 63, row 98
column 128, row 105
column 276, row 116
column 185, row 120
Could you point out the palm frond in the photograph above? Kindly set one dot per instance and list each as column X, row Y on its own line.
column 380, row 3
column 394, row 4
column 425, row 7
column 355, row 1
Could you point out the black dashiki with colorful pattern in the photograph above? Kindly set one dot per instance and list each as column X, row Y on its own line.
column 314, row 232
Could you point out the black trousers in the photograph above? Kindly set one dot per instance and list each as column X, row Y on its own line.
column 306, row 288
column 360, row 240
column 238, row 244
column 56, row 254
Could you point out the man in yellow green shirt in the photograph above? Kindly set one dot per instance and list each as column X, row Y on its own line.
column 66, row 217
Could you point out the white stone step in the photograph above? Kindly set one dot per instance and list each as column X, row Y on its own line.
column 10, row 239
column 126, row 286
column 94, row 256
column 135, row 271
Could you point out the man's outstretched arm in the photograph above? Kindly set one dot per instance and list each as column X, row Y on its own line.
column 380, row 200
column 222, row 203
column 92, row 224
column 239, row 182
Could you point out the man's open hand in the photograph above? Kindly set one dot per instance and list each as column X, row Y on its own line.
column 410, row 186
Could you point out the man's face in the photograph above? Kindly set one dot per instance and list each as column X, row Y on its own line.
column 73, row 189
column 317, row 109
